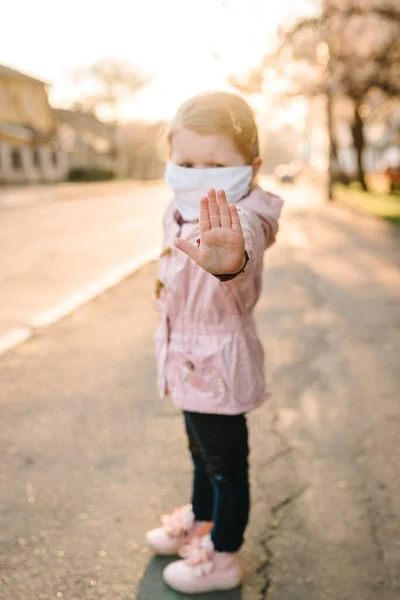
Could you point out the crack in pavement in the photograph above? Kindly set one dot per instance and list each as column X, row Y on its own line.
column 288, row 500
column 271, row 459
column 374, row 529
column 264, row 568
column 275, row 431
column 266, row 565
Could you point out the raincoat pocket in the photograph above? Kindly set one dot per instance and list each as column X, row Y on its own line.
column 196, row 372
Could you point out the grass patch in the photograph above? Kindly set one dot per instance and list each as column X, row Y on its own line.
column 384, row 206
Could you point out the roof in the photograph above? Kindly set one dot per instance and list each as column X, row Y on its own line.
column 16, row 133
column 13, row 74
column 71, row 139
column 84, row 121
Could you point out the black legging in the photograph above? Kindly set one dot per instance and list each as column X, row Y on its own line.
column 219, row 449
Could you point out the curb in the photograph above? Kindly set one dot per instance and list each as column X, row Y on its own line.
column 17, row 335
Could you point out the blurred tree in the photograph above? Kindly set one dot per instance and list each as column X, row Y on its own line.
column 141, row 147
column 251, row 83
column 108, row 85
column 350, row 49
column 114, row 83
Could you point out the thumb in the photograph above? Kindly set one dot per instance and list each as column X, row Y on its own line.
column 188, row 248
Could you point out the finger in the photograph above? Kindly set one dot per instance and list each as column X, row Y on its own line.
column 224, row 212
column 236, row 225
column 204, row 221
column 188, row 248
column 213, row 208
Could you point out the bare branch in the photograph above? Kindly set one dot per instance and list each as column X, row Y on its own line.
column 115, row 82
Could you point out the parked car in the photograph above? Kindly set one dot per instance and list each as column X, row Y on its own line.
column 287, row 173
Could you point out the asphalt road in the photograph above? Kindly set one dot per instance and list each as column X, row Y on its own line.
column 91, row 456
column 56, row 240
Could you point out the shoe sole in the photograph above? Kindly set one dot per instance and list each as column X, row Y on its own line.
column 158, row 553
column 220, row 588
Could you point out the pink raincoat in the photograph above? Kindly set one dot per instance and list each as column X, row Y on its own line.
column 209, row 357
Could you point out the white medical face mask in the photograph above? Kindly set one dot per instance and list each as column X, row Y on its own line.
column 190, row 185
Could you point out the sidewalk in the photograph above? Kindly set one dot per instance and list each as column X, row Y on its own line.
column 92, row 456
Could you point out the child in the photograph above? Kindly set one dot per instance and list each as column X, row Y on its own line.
column 210, row 360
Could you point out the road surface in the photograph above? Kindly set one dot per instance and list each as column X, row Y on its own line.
column 57, row 240
column 91, row 456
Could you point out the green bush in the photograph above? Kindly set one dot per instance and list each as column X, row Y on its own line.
column 90, row 174
column 395, row 187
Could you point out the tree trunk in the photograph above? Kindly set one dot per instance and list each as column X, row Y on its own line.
column 359, row 145
column 331, row 143
column 333, row 158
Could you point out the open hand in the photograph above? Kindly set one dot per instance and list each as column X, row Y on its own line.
column 222, row 244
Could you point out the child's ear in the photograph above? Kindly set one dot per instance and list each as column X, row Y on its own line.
column 256, row 166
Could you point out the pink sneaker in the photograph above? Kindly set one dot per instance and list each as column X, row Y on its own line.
column 176, row 531
column 203, row 569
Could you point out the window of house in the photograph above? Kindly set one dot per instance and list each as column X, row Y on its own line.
column 36, row 157
column 53, row 146
column 16, row 159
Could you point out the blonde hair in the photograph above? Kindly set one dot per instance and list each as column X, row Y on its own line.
column 219, row 113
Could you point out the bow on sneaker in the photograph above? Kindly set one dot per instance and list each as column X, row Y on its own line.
column 203, row 569
column 177, row 529
column 199, row 555
column 181, row 520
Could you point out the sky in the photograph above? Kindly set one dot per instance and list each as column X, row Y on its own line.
column 172, row 40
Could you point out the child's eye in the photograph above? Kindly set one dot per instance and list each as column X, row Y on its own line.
column 217, row 166
column 187, row 165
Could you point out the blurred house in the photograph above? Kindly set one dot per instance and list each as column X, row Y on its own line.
column 29, row 146
column 88, row 142
column 142, row 150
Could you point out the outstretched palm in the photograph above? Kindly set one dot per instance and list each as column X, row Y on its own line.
column 222, row 245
